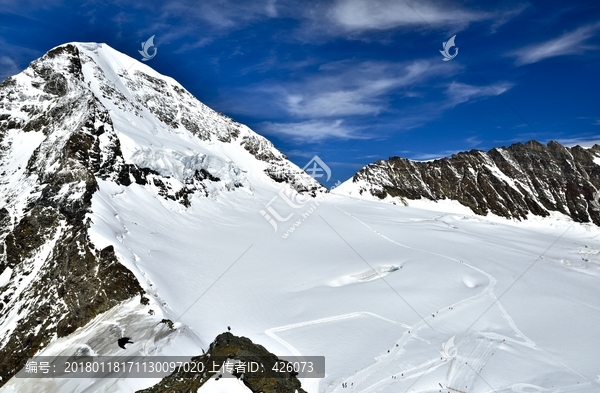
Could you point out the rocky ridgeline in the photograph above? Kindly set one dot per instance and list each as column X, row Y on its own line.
column 509, row 181
column 50, row 114
column 59, row 281
column 226, row 345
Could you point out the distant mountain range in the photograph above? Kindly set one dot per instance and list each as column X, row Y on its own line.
column 510, row 182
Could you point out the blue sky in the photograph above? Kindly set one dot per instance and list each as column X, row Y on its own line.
column 353, row 81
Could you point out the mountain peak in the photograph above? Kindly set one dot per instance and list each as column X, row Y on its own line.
column 84, row 117
column 151, row 113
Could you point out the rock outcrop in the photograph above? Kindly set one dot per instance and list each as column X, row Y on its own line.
column 228, row 346
column 508, row 181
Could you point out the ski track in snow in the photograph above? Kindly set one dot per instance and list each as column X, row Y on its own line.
column 430, row 366
column 311, row 384
column 369, row 371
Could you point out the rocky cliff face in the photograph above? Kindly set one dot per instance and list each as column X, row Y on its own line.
column 509, row 181
column 228, row 346
column 57, row 280
column 59, row 137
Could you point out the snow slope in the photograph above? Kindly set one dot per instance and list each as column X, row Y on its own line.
column 375, row 288
column 286, row 293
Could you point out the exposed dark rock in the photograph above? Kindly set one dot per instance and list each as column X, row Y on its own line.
column 57, row 85
column 169, row 323
column 71, row 280
column 203, row 174
column 508, row 181
column 225, row 346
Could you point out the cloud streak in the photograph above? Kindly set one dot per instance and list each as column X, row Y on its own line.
column 352, row 89
column 8, row 67
column 340, row 95
column 571, row 43
column 310, row 130
column 378, row 15
column 433, row 156
column 459, row 93
column 390, row 14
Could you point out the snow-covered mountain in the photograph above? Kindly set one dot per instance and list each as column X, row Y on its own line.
column 85, row 114
column 129, row 209
column 511, row 182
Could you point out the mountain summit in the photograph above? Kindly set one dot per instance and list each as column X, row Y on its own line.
column 82, row 115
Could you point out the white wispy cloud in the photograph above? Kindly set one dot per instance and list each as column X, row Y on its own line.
column 473, row 141
column 227, row 14
column 342, row 89
column 363, row 15
column 8, row 67
column 14, row 58
column 570, row 43
column 459, row 93
column 352, row 88
column 389, row 14
column 583, row 141
column 310, row 130
column 324, row 20
column 326, row 104
column 345, row 99
column 22, row 7
column 301, row 153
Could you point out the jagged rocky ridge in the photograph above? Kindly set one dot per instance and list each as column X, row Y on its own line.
column 58, row 140
column 508, row 181
column 226, row 345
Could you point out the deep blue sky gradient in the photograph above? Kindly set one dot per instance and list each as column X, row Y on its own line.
column 353, row 81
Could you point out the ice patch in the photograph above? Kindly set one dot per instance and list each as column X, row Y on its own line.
column 182, row 167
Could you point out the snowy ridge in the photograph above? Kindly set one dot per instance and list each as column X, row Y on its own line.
column 172, row 123
column 82, row 116
column 510, row 182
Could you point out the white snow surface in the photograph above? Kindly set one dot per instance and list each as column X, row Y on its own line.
column 5, row 276
column 224, row 385
column 374, row 287
column 219, row 264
